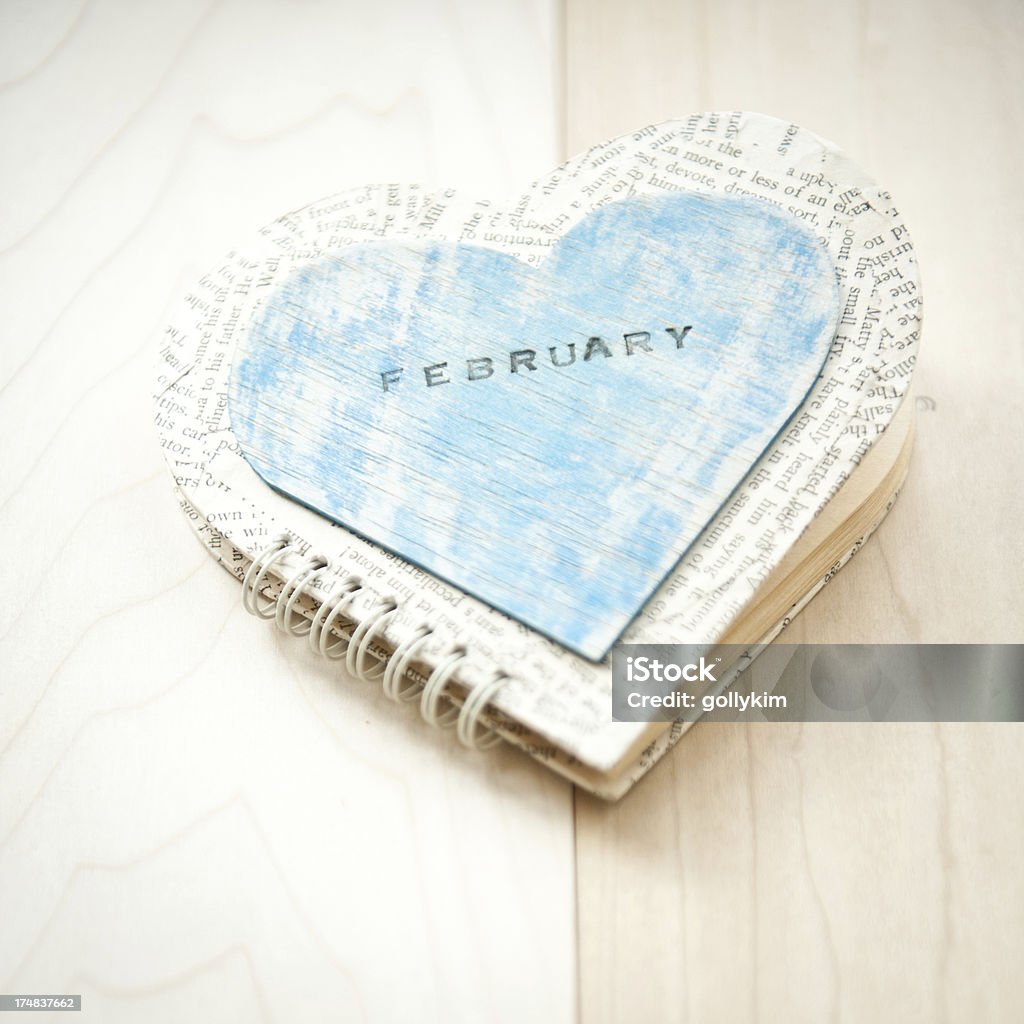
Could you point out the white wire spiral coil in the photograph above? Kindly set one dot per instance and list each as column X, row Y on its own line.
column 335, row 635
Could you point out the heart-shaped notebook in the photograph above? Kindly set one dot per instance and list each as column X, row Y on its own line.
column 549, row 439
column 622, row 399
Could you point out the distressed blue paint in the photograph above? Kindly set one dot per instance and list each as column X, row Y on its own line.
column 561, row 496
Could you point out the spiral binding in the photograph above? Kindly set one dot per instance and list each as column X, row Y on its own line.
column 334, row 635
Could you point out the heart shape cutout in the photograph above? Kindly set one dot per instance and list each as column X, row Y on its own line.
column 548, row 439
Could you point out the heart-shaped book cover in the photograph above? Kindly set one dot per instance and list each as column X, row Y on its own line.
column 470, row 445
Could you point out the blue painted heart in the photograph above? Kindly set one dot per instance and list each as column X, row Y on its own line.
column 548, row 439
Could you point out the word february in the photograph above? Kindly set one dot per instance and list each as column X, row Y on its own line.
column 525, row 359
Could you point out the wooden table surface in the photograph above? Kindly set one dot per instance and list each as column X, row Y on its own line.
column 200, row 820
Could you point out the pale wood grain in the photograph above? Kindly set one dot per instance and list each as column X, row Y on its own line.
column 199, row 819
column 205, row 822
column 842, row 872
column 808, row 873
